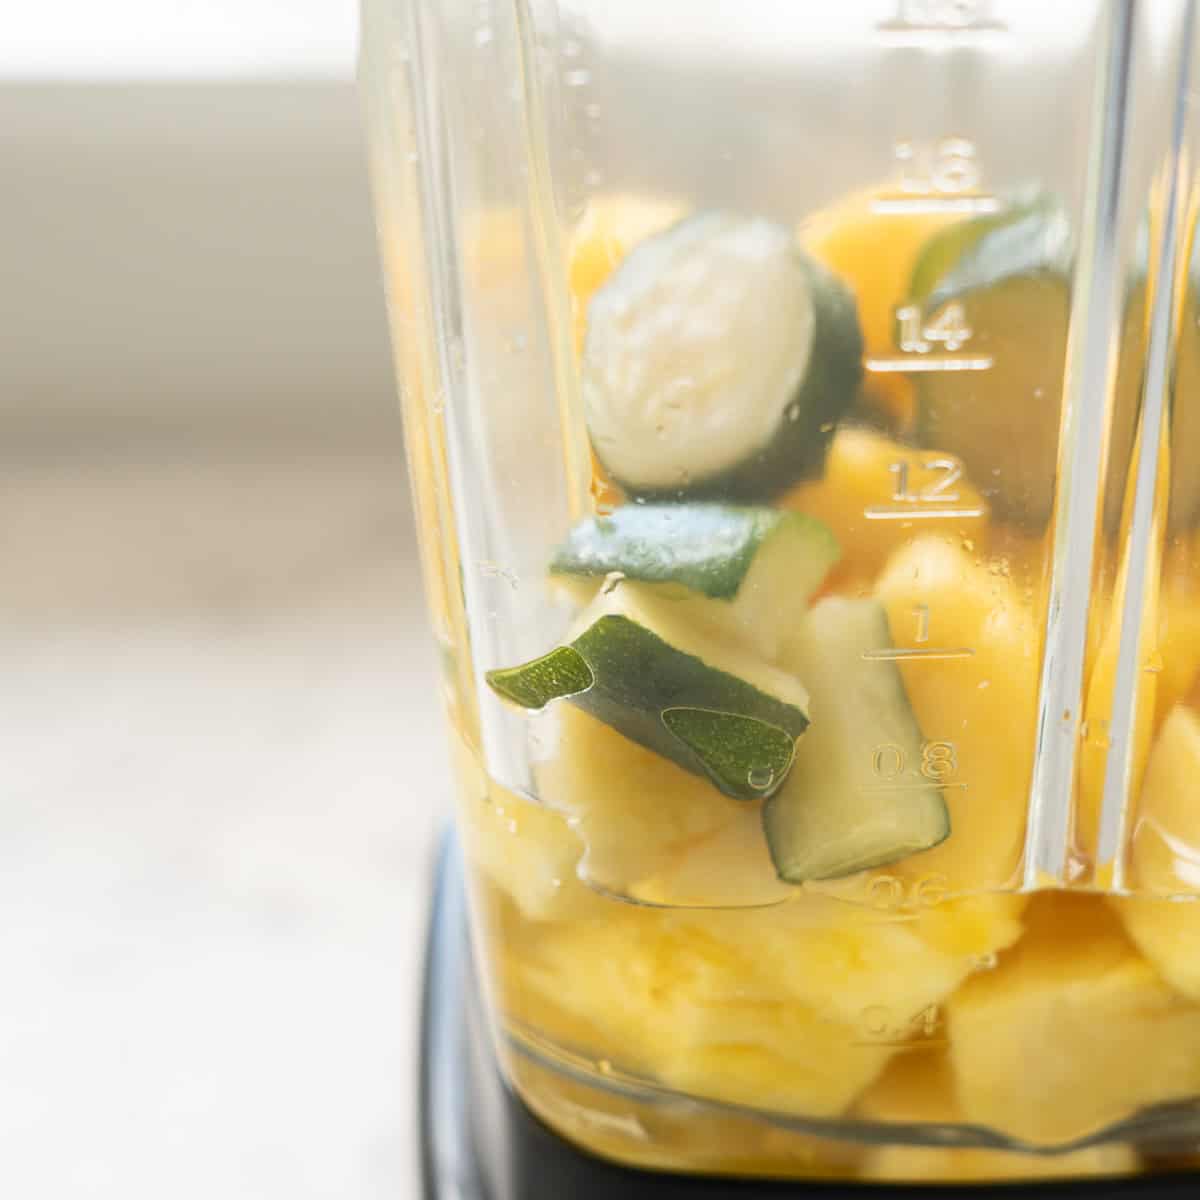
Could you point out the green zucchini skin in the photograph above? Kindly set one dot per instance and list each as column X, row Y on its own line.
column 835, row 815
column 708, row 548
column 794, row 447
column 1012, row 278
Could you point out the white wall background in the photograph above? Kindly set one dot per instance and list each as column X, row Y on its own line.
column 219, row 765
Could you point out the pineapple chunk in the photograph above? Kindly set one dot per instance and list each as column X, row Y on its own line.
column 1072, row 1032
column 982, row 704
column 634, row 810
column 874, row 253
column 919, row 1088
column 1179, row 624
column 1165, row 856
column 524, row 850
column 687, row 1009
column 863, row 471
column 730, row 868
column 882, row 974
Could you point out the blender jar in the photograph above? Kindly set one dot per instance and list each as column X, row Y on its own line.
column 801, row 412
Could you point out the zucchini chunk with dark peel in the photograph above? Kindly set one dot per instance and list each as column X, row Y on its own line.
column 711, row 707
column 718, row 359
column 856, row 797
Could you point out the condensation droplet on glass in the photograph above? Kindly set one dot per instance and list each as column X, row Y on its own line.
column 792, row 412
column 571, row 48
column 592, row 111
column 612, row 581
column 556, row 882
column 1038, row 393
column 968, row 544
column 827, row 427
column 984, row 683
column 412, row 157
column 578, row 77
column 760, row 778
column 512, row 826
column 483, row 37
column 604, row 1066
column 593, row 179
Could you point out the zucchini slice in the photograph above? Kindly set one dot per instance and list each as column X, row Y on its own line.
column 713, row 708
column 748, row 572
column 856, row 797
column 1009, row 278
column 718, row 359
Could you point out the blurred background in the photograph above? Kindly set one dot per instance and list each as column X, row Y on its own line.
column 221, row 767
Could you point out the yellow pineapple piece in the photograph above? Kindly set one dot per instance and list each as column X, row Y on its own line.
column 874, row 253
column 1165, row 856
column 689, row 1010
column 1179, row 624
column 919, row 1089
column 526, row 851
column 884, row 974
column 1073, row 1031
column 864, row 472
column 978, row 704
column 731, row 867
column 634, row 810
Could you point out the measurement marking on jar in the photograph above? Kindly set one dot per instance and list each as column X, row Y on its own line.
column 919, row 1044
column 928, row 362
column 910, row 205
column 942, row 18
column 891, row 512
column 918, row 652
column 909, row 787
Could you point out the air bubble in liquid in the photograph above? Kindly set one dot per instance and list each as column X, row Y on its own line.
column 760, row 778
column 483, row 37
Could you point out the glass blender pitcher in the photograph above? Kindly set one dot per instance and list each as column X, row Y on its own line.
column 803, row 415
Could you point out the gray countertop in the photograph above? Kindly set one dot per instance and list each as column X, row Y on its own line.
column 222, row 769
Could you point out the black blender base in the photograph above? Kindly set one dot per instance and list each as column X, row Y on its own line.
column 480, row 1142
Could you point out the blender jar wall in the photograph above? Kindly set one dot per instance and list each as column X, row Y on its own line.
column 1000, row 187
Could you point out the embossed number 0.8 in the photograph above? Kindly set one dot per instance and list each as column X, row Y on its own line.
column 939, row 760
